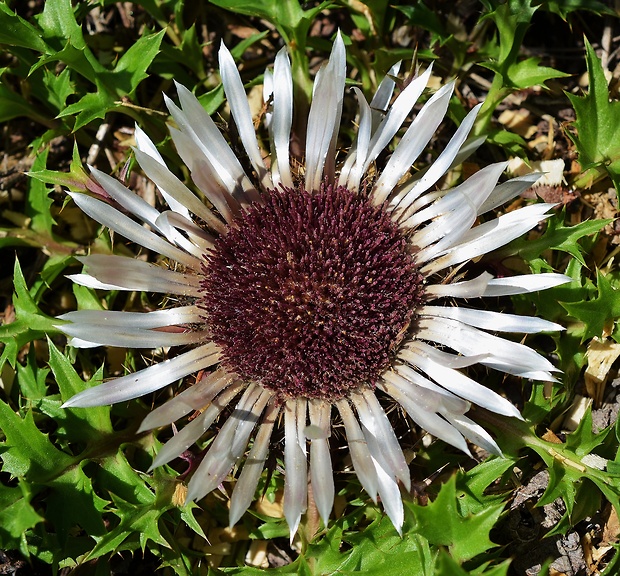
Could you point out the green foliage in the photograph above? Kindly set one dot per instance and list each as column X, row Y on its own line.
column 89, row 489
column 30, row 323
column 598, row 126
column 293, row 23
column 512, row 19
column 575, row 477
column 564, row 8
column 597, row 314
column 464, row 534
column 57, row 39
column 459, row 520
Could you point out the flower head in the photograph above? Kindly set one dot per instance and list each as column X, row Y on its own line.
column 312, row 293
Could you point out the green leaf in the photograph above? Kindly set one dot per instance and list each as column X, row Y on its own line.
column 370, row 16
column 12, row 105
column 131, row 68
column 478, row 479
column 563, row 483
column 528, row 73
column 420, row 15
column 564, row 7
column 583, row 440
column 27, row 451
column 38, row 202
column 78, row 425
column 190, row 51
column 524, row 74
column 569, row 475
column 556, row 237
column 52, row 268
column 73, row 502
column 58, row 24
column 80, row 60
column 378, row 550
column 32, row 378
column 16, row 516
column 287, row 12
column 293, row 24
column 86, row 298
column 118, row 477
column 29, row 454
column 597, row 313
column 597, row 123
column 443, row 523
column 566, row 480
column 58, row 87
column 141, row 520
column 509, row 141
column 512, row 18
column 76, row 179
column 92, row 106
column 15, row 31
column 29, row 324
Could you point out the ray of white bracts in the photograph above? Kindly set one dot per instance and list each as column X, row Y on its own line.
column 324, row 118
column 111, row 272
column 147, row 380
column 245, row 488
column 230, row 443
column 295, row 463
column 425, row 381
column 282, row 119
column 88, row 328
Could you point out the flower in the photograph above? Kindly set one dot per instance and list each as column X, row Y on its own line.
column 312, row 292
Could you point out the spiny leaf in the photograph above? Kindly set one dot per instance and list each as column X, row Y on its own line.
column 77, row 425
column 27, row 451
column 75, row 179
column 58, row 88
column 131, row 68
column 118, row 477
column 287, row 12
column 141, row 521
column 38, row 202
column 32, row 378
column 512, row 19
column 524, row 74
column 81, row 60
column 478, row 479
column 92, row 106
column 597, row 122
column 565, row 7
column 597, row 313
column 58, row 24
column 443, row 523
column 563, row 483
column 583, row 440
column 15, row 31
column 73, row 502
column 377, row 550
column 16, row 516
column 30, row 322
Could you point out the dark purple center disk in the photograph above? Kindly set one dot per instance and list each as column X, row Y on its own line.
column 309, row 294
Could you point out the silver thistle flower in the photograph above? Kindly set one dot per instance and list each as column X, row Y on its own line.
column 309, row 292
